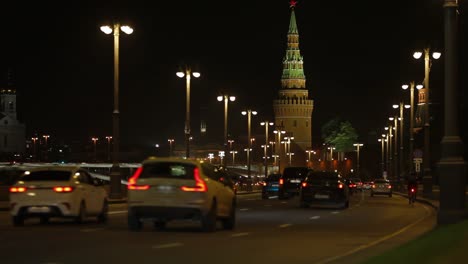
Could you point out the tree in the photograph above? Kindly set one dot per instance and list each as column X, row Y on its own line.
column 340, row 134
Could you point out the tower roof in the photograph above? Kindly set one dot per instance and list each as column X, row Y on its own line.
column 293, row 72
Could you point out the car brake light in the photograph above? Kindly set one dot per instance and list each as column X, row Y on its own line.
column 17, row 189
column 132, row 181
column 412, row 190
column 304, row 184
column 63, row 189
column 389, row 186
column 200, row 185
column 264, row 184
column 281, row 181
column 340, row 186
column 373, row 186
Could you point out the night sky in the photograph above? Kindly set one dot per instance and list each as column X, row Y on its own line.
column 356, row 56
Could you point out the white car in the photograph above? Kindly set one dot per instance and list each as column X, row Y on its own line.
column 57, row 191
column 381, row 186
column 163, row 189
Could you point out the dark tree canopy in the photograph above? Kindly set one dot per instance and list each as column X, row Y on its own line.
column 340, row 134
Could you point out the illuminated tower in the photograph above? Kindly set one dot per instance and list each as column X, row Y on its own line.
column 293, row 107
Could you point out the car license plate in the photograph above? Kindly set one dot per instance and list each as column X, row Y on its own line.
column 274, row 185
column 165, row 188
column 322, row 196
column 295, row 181
column 39, row 209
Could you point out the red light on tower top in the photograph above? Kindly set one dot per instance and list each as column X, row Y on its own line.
column 293, row 3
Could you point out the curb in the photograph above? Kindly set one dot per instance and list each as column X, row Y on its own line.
column 421, row 200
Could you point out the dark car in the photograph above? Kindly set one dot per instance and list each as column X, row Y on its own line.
column 290, row 181
column 270, row 185
column 324, row 189
column 8, row 176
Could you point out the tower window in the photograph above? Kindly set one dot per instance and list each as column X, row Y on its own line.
column 307, row 123
column 295, row 123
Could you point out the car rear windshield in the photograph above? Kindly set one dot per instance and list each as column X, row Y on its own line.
column 322, row 176
column 381, row 181
column 273, row 177
column 298, row 172
column 49, row 175
column 174, row 170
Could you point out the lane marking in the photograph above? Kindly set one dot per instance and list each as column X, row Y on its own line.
column 251, row 199
column 335, row 212
column 380, row 240
column 244, row 209
column 117, row 212
column 315, row 217
column 171, row 245
column 239, row 234
column 273, row 197
column 87, row 230
column 285, row 225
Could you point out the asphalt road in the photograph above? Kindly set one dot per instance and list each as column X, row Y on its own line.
column 267, row 231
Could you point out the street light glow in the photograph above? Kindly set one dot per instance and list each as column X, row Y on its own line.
column 405, row 86
column 419, row 86
column 128, row 30
column 254, row 112
column 232, row 98
column 436, row 55
column 417, row 54
column 244, row 112
column 395, row 106
column 106, row 29
column 220, row 98
column 407, row 106
column 196, row 74
column 180, row 74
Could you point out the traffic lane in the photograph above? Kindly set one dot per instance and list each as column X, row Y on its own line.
column 258, row 237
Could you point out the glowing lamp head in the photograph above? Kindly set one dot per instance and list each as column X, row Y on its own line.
column 196, row 74
column 436, row 55
column 407, row 106
column 127, row 30
column 220, row 98
column 254, row 112
column 232, row 98
column 180, row 74
column 244, row 112
column 405, row 86
column 395, row 106
column 106, row 29
column 417, row 54
column 419, row 86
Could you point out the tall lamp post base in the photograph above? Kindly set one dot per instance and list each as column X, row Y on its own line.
column 115, row 183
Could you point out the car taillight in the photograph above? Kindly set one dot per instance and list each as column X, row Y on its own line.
column 340, row 186
column 132, row 181
column 17, row 189
column 281, row 181
column 63, row 189
column 304, row 184
column 389, row 186
column 373, row 186
column 200, row 185
column 264, row 184
column 412, row 190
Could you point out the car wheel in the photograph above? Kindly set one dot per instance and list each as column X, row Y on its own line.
column 103, row 217
column 18, row 220
column 134, row 223
column 81, row 214
column 230, row 222
column 209, row 220
column 160, row 225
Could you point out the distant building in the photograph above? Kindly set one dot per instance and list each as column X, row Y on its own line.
column 293, row 107
column 12, row 132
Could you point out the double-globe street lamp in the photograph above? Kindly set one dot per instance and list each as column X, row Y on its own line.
column 95, row 139
column 115, row 190
column 226, row 99
column 427, row 177
column 249, row 114
column 400, row 156
column 411, row 86
column 358, row 147
column 266, row 124
column 171, row 141
column 278, row 132
column 187, row 73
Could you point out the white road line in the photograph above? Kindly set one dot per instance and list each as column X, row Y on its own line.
column 335, row 212
column 273, row 197
column 117, row 212
column 315, row 217
column 87, row 230
column 244, row 209
column 239, row 234
column 380, row 240
column 251, row 199
column 171, row 245
column 284, row 225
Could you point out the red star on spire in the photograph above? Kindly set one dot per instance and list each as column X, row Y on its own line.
column 293, row 3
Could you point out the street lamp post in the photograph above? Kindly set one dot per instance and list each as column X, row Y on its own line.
column 34, row 139
column 358, row 147
column 452, row 165
column 226, row 99
column 210, row 156
column 115, row 190
column 308, row 153
column 95, row 139
column 400, row 155
column 171, row 140
column 382, row 141
column 233, row 152
column 46, row 137
column 187, row 73
column 287, row 149
column 389, row 151
column 427, row 177
column 266, row 124
column 395, row 145
column 278, row 132
column 411, row 129
column 249, row 114
column 108, row 147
